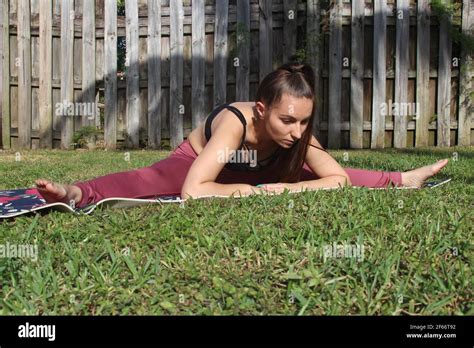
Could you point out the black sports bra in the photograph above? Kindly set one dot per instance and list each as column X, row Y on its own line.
column 243, row 166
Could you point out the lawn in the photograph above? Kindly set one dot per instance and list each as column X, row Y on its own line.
column 250, row 256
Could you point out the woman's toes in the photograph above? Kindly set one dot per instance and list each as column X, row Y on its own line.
column 439, row 165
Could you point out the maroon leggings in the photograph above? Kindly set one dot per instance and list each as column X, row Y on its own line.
column 166, row 177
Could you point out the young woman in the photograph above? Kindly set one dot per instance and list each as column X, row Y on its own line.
column 242, row 145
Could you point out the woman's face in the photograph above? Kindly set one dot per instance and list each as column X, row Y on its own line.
column 286, row 122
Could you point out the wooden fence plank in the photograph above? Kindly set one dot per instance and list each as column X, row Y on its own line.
column 265, row 38
column 5, row 75
column 110, row 72
column 67, row 62
column 88, row 61
column 198, row 63
column 401, row 73
column 379, row 74
column 24, row 75
column 314, row 46
column 154, row 74
column 242, row 86
column 220, row 52
column 176, row 72
column 46, row 75
column 132, row 74
column 444, row 82
column 289, row 29
column 466, row 86
column 422, row 73
column 335, row 74
column 357, row 71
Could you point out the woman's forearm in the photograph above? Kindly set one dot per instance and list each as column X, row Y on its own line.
column 215, row 189
column 334, row 181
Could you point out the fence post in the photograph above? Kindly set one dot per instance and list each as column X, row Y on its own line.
column 24, row 75
column 335, row 75
column 110, row 77
column 5, row 75
column 444, row 82
column 402, row 20
column 46, row 76
column 289, row 28
column 154, row 74
column 243, row 46
column 220, row 52
column 313, row 47
column 265, row 38
column 176, row 72
column 379, row 74
column 466, row 94
column 67, row 60
column 422, row 73
column 132, row 75
column 357, row 75
column 88, row 60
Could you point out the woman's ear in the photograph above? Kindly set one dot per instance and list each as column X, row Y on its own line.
column 260, row 110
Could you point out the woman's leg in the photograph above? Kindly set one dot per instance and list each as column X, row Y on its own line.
column 373, row 178
column 165, row 177
column 361, row 177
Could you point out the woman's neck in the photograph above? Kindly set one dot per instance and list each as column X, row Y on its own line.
column 259, row 138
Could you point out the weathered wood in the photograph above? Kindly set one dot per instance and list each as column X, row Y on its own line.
column 24, row 74
column 88, row 61
column 380, row 31
column 132, row 74
column 265, row 38
column 176, row 73
column 335, row 75
column 5, row 75
column 110, row 71
column 401, row 73
column 466, row 86
column 46, row 75
column 99, row 73
column 289, row 29
column 314, row 46
column 422, row 73
column 357, row 71
column 198, row 63
column 242, row 92
column 67, row 62
column 444, row 82
column 220, row 52
column 154, row 75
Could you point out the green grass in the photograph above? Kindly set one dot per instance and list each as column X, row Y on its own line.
column 255, row 255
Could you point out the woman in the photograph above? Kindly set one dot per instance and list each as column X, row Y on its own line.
column 268, row 141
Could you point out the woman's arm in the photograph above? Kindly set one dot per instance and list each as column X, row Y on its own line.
column 227, row 132
column 331, row 174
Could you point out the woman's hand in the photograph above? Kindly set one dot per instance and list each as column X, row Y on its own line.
column 275, row 188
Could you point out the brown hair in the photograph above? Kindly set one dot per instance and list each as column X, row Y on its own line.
column 297, row 80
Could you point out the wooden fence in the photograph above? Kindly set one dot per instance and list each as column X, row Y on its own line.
column 183, row 57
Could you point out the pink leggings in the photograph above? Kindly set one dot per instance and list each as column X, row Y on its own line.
column 166, row 177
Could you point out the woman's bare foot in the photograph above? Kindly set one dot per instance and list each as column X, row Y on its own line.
column 53, row 192
column 416, row 177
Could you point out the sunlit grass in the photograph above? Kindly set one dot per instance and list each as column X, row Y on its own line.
column 255, row 255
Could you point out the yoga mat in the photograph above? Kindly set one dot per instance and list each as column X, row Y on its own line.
column 18, row 202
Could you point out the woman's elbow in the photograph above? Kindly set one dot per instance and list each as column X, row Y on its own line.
column 189, row 192
column 344, row 180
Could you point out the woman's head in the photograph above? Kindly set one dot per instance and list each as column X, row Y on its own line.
column 285, row 101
